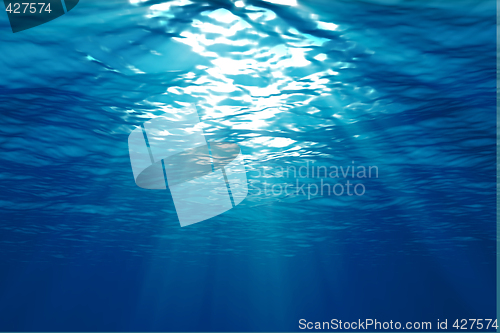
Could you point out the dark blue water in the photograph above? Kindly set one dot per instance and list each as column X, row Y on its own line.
column 405, row 86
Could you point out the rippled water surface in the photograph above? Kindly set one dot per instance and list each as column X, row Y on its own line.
column 407, row 87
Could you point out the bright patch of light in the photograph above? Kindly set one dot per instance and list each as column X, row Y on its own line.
column 269, row 86
column 268, row 113
column 161, row 6
column 320, row 57
column 313, row 111
column 261, row 139
column 263, row 92
column 162, row 9
column 174, row 90
column 224, row 31
column 327, row 26
column 271, row 142
column 298, row 58
column 222, row 15
column 283, row 2
column 330, row 72
column 280, row 142
column 233, row 66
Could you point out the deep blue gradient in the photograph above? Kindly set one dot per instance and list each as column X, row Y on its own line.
column 407, row 86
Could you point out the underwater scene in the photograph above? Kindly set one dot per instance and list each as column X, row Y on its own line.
column 248, row 165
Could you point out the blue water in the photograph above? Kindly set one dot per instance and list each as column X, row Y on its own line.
column 406, row 86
